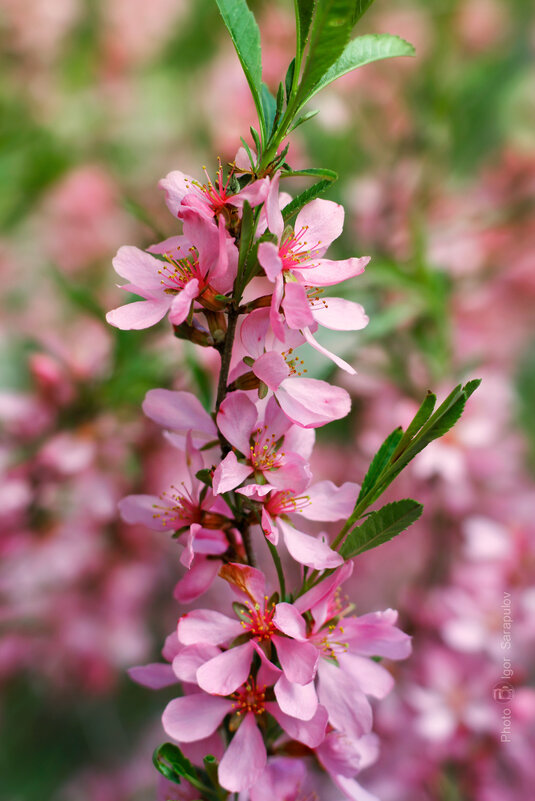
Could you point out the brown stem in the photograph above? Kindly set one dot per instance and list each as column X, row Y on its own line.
column 226, row 354
column 246, row 537
column 222, row 388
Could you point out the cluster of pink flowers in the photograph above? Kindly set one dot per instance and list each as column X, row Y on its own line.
column 290, row 673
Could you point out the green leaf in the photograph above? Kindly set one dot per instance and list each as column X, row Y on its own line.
column 363, row 50
column 204, row 475
column 245, row 35
column 248, row 149
column 304, row 11
column 420, row 418
column 381, row 526
column 305, row 197
column 169, row 760
column 304, row 118
column 380, row 461
column 471, row 386
column 445, row 417
column 315, row 172
column 330, row 32
column 269, row 106
column 288, row 81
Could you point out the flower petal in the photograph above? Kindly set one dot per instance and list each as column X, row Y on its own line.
column 236, row 419
column 172, row 246
column 299, row 660
column 138, row 315
column 139, row 268
column 338, row 361
column 197, row 580
column 142, row 509
column 194, row 717
column 176, row 186
column 321, row 592
column 339, row 314
column 297, row 700
column 245, row 758
column 375, row 634
column 187, row 662
column 308, row 550
column 207, row 626
column 271, row 369
column 329, row 502
column 268, row 256
column 255, row 193
column 311, row 403
column 296, row 307
column 224, row 673
column 373, row 679
column 288, row 620
column 229, row 474
column 348, row 708
column 273, row 208
column 180, row 412
column 324, row 221
column 326, row 272
column 310, row 732
column 181, row 303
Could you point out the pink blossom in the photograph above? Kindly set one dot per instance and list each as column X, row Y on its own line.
column 209, row 199
column 346, row 674
column 189, row 507
column 264, row 441
column 196, row 717
column 194, row 267
column 227, row 670
column 180, row 413
column 308, row 402
column 298, row 270
column 323, row 502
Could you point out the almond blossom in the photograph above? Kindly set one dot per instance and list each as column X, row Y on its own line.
column 272, row 448
column 297, row 268
column 190, row 507
column 224, row 671
column 308, row 402
column 322, row 502
column 196, row 717
column 210, row 199
column 346, row 674
column 193, row 267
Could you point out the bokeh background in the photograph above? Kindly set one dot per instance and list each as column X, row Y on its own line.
column 436, row 155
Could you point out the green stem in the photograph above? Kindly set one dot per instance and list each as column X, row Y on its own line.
column 278, row 566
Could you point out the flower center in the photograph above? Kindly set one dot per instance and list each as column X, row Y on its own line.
column 216, row 194
column 249, row 698
column 263, row 453
column 295, row 251
column 260, row 620
column 180, row 508
column 284, row 502
column 295, row 364
column 179, row 272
